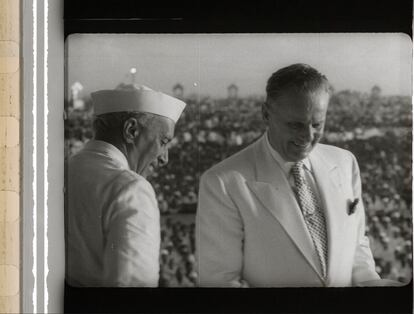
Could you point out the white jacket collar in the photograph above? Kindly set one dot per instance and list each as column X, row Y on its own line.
column 108, row 150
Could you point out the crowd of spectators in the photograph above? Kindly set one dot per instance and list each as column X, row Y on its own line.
column 377, row 131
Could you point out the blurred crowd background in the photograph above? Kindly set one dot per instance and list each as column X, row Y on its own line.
column 377, row 129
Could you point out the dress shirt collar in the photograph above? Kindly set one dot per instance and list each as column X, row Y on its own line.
column 285, row 165
column 108, row 150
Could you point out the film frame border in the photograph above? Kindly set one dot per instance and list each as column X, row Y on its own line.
column 90, row 21
column 10, row 156
column 14, row 108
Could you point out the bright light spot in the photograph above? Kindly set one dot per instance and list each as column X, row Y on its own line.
column 195, row 84
column 133, row 70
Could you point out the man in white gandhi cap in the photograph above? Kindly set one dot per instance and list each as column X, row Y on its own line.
column 112, row 216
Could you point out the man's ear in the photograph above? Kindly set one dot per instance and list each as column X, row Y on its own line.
column 265, row 111
column 131, row 130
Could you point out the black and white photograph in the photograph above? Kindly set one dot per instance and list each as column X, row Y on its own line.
column 238, row 160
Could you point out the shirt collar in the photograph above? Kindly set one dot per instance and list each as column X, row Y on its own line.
column 108, row 150
column 285, row 165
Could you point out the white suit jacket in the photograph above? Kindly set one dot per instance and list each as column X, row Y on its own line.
column 112, row 221
column 249, row 226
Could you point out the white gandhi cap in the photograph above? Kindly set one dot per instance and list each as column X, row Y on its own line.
column 139, row 99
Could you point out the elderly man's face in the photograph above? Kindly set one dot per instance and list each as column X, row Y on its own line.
column 296, row 123
column 151, row 146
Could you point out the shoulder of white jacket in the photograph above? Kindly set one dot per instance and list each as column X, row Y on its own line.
column 241, row 161
column 130, row 179
column 334, row 153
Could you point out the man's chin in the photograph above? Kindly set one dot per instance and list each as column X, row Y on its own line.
column 150, row 170
column 297, row 158
column 146, row 172
column 143, row 173
column 299, row 155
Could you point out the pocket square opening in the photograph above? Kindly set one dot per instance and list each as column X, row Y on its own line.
column 352, row 206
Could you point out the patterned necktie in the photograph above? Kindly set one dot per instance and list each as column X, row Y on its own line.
column 312, row 213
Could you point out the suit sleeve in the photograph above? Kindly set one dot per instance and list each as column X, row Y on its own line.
column 219, row 235
column 132, row 229
column 364, row 265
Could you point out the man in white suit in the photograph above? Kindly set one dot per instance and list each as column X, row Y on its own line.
column 285, row 211
column 112, row 216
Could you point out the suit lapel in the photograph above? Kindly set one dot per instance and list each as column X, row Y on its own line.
column 328, row 180
column 274, row 192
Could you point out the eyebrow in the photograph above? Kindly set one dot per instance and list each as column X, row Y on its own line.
column 294, row 122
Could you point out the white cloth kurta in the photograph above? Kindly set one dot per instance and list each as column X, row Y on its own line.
column 250, row 229
column 112, row 221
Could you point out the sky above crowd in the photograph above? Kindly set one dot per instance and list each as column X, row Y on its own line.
column 207, row 64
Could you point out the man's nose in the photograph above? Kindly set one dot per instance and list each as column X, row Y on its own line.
column 163, row 159
column 308, row 134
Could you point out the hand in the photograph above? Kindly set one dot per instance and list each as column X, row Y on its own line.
column 244, row 284
column 380, row 283
column 239, row 284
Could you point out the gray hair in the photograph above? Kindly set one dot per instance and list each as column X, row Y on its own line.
column 297, row 77
column 114, row 122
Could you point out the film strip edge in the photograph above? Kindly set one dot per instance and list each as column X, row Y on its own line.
column 10, row 156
